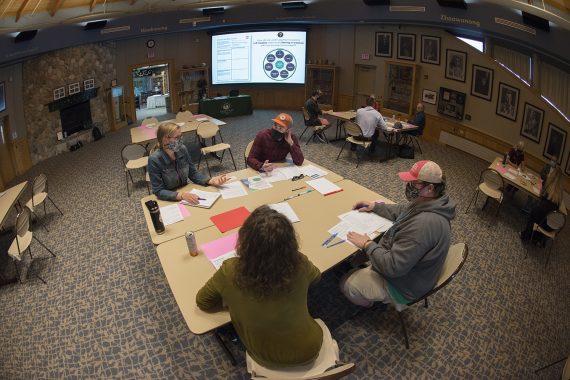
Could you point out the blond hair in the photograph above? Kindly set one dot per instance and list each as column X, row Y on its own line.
column 553, row 186
column 165, row 130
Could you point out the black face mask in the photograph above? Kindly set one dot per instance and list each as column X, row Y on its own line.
column 276, row 135
column 411, row 192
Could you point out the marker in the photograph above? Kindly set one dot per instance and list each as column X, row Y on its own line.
column 337, row 243
column 296, row 195
column 331, row 238
column 300, row 188
column 333, row 192
column 201, row 199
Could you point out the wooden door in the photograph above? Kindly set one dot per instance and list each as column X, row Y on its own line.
column 364, row 84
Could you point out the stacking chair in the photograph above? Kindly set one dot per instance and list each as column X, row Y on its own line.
column 246, row 152
column 492, row 185
column 317, row 129
column 209, row 131
column 454, row 261
column 184, row 116
column 556, row 221
column 134, row 157
column 40, row 195
column 353, row 130
column 150, row 120
column 23, row 239
column 338, row 371
column 413, row 139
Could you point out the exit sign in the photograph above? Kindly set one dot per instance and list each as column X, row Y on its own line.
column 365, row 56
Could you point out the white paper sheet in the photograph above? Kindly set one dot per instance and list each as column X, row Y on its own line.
column 312, row 171
column 282, row 173
column 324, row 186
column 232, row 190
column 171, row 214
column 286, row 209
column 257, row 183
column 208, row 198
column 366, row 221
column 202, row 119
column 218, row 261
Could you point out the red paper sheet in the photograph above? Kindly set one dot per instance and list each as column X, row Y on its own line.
column 230, row 219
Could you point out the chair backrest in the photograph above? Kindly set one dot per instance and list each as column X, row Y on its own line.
column 40, row 184
column 23, row 221
column 184, row 116
column 247, row 150
column 306, row 116
column 150, row 120
column 132, row 152
column 207, row 130
column 352, row 129
column 336, row 372
column 492, row 178
column 555, row 220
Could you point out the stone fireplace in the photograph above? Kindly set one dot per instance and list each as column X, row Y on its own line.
column 75, row 118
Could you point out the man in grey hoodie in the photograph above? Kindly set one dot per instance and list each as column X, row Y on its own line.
column 408, row 259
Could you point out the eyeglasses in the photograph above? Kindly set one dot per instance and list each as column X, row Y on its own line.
column 175, row 138
column 298, row 177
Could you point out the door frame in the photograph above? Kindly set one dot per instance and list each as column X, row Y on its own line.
column 354, row 91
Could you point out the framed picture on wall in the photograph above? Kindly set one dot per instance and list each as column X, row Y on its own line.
column 59, row 93
column 555, row 142
column 507, row 101
column 531, row 127
column 2, row 97
column 430, row 49
column 407, row 46
column 74, row 88
column 429, row 96
column 384, row 44
column 567, row 170
column 482, row 82
column 455, row 65
column 88, row 84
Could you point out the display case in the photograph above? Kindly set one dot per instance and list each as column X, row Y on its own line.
column 192, row 87
column 400, row 90
column 116, row 107
column 323, row 77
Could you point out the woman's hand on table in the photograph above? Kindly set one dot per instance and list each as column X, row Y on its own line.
column 188, row 197
column 218, row 180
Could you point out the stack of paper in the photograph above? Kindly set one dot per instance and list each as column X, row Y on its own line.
column 207, row 198
column 232, row 190
column 360, row 222
column 324, row 186
column 220, row 250
column 312, row 171
column 171, row 214
column 283, row 173
column 257, row 183
column 285, row 209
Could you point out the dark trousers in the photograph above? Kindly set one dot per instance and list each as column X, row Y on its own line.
column 537, row 215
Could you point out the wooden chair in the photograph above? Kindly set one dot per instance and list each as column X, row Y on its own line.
column 454, row 261
column 23, row 240
column 353, row 131
column 246, row 152
column 40, row 196
column 184, row 116
column 318, row 130
column 554, row 220
column 134, row 157
column 208, row 130
column 150, row 120
column 492, row 185
column 339, row 371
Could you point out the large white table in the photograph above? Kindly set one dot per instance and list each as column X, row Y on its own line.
column 9, row 199
column 155, row 101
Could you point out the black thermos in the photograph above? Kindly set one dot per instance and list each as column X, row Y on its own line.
column 155, row 216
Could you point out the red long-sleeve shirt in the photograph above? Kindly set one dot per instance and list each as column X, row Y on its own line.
column 266, row 148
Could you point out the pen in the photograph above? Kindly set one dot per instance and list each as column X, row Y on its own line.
column 337, row 243
column 300, row 188
column 201, row 199
column 296, row 195
column 333, row 192
column 331, row 238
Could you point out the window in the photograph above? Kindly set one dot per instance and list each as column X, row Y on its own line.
column 517, row 63
column 477, row 44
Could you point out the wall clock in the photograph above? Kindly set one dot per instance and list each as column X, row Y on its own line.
column 150, row 44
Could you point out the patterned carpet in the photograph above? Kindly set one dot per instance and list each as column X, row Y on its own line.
column 107, row 310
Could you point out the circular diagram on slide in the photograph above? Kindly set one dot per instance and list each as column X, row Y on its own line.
column 279, row 64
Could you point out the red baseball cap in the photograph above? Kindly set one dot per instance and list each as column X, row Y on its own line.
column 427, row 171
column 283, row 119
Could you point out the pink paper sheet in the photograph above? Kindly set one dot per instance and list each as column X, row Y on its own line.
column 220, row 246
column 501, row 169
column 184, row 211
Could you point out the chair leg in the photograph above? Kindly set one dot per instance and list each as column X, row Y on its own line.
column 304, row 130
column 199, row 160
column 549, row 253
column 419, row 146
column 207, row 165
column 341, row 149
column 404, row 329
column 311, row 138
column 17, row 271
column 43, row 245
column 232, row 156
column 127, row 181
column 357, row 158
column 474, row 197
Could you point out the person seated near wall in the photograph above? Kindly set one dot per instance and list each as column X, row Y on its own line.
column 170, row 167
column 418, row 119
column 551, row 198
column 313, row 109
column 548, row 168
column 265, row 290
column 274, row 144
column 369, row 121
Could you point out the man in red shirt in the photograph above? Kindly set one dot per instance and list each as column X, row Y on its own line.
column 274, row 144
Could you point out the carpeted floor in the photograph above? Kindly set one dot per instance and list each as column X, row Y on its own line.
column 107, row 310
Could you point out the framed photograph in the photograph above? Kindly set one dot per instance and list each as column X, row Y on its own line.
column 429, row 96
column 507, row 101
column 59, row 93
column 407, row 46
column 2, row 97
column 531, row 127
column 73, row 88
column 555, row 142
column 451, row 103
column 384, row 44
column 430, row 49
column 482, row 82
column 567, row 170
column 88, row 84
column 455, row 65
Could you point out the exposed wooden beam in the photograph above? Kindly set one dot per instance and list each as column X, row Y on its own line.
column 93, row 3
column 6, row 8
column 133, row 2
column 56, row 7
column 21, row 9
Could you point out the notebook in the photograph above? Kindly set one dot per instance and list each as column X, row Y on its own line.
column 207, row 198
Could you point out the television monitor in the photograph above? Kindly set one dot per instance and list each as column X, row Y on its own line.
column 275, row 56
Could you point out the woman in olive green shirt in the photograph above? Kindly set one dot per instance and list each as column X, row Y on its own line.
column 265, row 289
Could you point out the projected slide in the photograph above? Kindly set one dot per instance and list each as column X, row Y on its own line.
column 259, row 57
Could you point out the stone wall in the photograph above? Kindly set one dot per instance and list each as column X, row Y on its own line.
column 43, row 74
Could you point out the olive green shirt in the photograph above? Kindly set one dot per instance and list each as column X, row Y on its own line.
column 277, row 331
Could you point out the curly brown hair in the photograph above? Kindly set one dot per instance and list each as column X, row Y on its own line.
column 268, row 253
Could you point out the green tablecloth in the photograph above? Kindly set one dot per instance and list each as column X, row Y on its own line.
column 224, row 106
